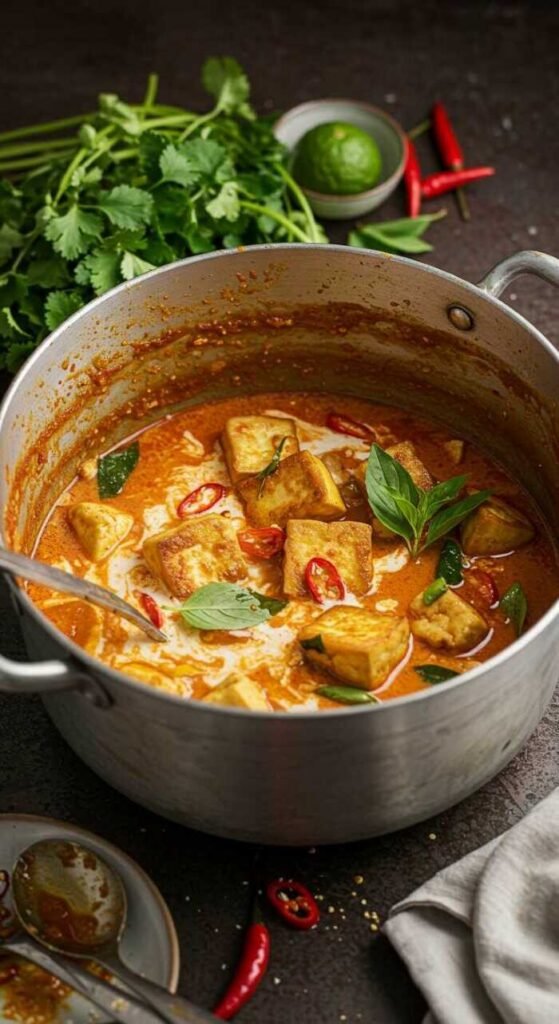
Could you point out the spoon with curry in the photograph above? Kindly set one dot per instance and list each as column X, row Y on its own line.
column 71, row 901
column 49, row 576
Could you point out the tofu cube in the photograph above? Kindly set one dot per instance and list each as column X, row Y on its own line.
column 357, row 646
column 202, row 550
column 249, row 443
column 301, row 488
column 99, row 528
column 449, row 623
column 495, row 528
column 239, row 693
column 405, row 454
column 455, row 450
column 347, row 545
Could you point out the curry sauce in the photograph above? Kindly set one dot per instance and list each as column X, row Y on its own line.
column 181, row 453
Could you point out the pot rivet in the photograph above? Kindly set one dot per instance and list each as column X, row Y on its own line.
column 460, row 318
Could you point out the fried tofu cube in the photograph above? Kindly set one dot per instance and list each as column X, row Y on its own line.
column 202, row 550
column 249, row 443
column 449, row 623
column 455, row 450
column 239, row 693
column 300, row 488
column 406, row 455
column 347, row 545
column 357, row 646
column 495, row 528
column 99, row 528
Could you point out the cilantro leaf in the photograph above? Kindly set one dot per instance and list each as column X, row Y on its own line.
column 101, row 269
column 176, row 166
column 126, row 206
column 225, row 80
column 59, row 306
column 73, row 232
column 132, row 265
column 10, row 239
column 226, row 203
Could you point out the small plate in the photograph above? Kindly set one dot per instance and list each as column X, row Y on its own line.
column 149, row 945
column 388, row 134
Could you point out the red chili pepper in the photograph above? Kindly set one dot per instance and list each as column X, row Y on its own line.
column 200, row 500
column 485, row 584
column 250, row 969
column 450, row 151
column 262, row 543
column 347, row 425
column 293, row 902
column 152, row 609
column 412, row 181
column 447, row 181
column 323, row 581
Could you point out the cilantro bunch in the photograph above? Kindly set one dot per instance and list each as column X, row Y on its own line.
column 89, row 201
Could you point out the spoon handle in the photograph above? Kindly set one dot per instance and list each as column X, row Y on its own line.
column 172, row 1008
column 106, row 997
column 58, row 579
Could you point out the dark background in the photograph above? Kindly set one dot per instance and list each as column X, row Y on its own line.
column 496, row 67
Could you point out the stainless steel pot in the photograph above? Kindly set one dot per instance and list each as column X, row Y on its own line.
column 307, row 317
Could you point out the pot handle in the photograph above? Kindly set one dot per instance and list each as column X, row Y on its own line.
column 528, row 262
column 44, row 677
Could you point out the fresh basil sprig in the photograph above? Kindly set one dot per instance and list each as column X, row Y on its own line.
column 273, row 464
column 228, row 606
column 113, row 470
column 515, row 606
column 417, row 515
column 434, row 674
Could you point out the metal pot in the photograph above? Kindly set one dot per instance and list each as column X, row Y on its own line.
column 307, row 317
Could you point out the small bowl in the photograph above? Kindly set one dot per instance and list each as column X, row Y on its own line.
column 388, row 135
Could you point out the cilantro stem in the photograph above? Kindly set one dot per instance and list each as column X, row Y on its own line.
column 33, row 161
column 198, row 121
column 24, row 148
column 266, row 211
column 151, row 93
column 49, row 126
column 314, row 231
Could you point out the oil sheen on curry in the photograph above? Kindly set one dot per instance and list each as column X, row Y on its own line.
column 300, row 552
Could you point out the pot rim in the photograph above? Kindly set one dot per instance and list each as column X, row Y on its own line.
column 386, row 707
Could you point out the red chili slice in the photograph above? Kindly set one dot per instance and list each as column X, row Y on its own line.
column 485, row 585
column 323, row 581
column 347, row 425
column 200, row 500
column 262, row 543
column 293, row 902
column 152, row 609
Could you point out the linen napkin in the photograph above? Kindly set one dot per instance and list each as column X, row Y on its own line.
column 481, row 938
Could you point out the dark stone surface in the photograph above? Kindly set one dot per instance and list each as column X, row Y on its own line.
column 496, row 66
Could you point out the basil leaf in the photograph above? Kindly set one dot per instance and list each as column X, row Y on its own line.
column 435, row 590
column 434, row 674
column 448, row 518
column 271, row 604
column 272, row 465
column 113, row 470
column 450, row 563
column 392, row 493
column 515, row 606
column 314, row 643
column 347, row 695
column 402, row 235
column 227, row 606
column 442, row 494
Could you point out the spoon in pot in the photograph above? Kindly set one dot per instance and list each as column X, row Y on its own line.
column 71, row 901
column 57, row 579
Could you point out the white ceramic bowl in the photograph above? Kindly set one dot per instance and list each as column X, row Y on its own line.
column 390, row 138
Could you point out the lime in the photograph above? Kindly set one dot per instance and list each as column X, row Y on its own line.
column 338, row 159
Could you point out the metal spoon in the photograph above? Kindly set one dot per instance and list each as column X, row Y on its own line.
column 73, row 902
column 118, row 1005
column 57, row 579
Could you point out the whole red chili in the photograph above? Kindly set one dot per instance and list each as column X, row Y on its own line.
column 450, row 150
column 347, row 425
column 262, row 543
column 323, row 581
column 447, row 181
column 250, row 969
column 200, row 500
column 485, row 585
column 293, row 902
column 152, row 609
column 412, row 181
